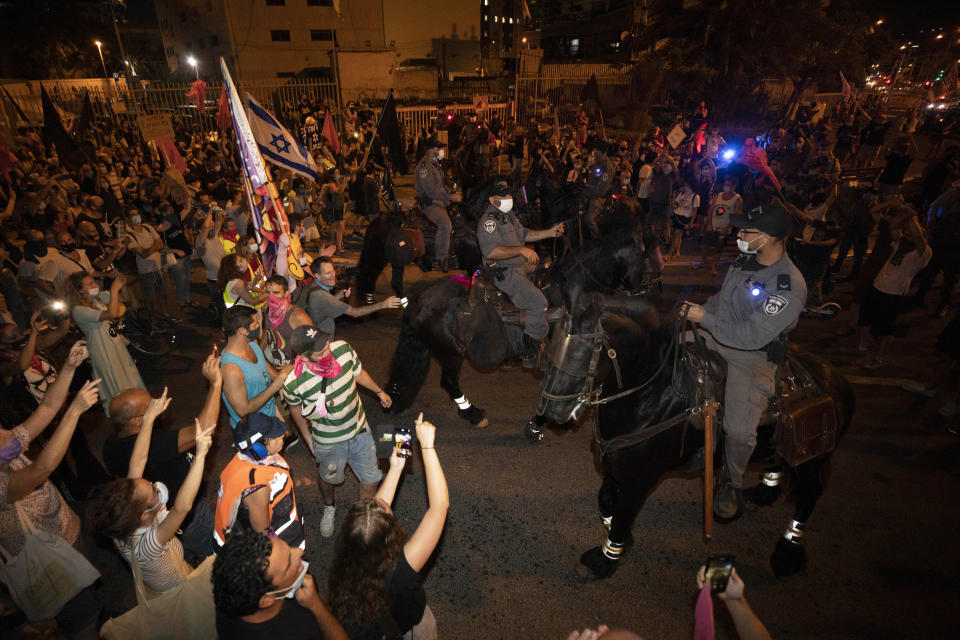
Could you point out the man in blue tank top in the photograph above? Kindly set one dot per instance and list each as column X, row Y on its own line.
column 249, row 382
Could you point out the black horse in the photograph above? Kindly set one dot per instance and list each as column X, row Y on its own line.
column 386, row 243
column 441, row 321
column 645, row 398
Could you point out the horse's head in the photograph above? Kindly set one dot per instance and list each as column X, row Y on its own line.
column 579, row 347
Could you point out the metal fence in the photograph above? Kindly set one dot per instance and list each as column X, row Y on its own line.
column 282, row 99
column 415, row 119
column 541, row 95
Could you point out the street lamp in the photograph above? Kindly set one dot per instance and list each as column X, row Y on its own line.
column 102, row 63
column 193, row 63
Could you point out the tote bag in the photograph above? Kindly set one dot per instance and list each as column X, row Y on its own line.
column 47, row 572
column 186, row 612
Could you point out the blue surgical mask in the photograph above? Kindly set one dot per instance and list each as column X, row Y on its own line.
column 323, row 286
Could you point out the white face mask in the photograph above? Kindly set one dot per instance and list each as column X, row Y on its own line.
column 667, row 170
column 252, row 248
column 93, row 293
column 506, row 205
column 441, row 154
column 291, row 591
column 744, row 247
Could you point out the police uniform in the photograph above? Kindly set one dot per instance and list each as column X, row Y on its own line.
column 599, row 177
column 748, row 321
column 498, row 229
column 429, row 185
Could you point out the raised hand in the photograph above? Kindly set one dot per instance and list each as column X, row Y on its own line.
column 156, row 406
column 78, row 353
column 211, row 369
column 204, row 437
column 425, row 432
column 88, row 396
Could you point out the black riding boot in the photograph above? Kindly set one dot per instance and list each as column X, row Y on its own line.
column 529, row 351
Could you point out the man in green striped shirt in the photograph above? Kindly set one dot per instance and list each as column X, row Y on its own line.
column 321, row 392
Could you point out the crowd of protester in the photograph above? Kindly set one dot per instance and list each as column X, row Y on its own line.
column 95, row 249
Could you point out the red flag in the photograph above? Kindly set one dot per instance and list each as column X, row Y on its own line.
column 171, row 155
column 198, row 93
column 223, row 111
column 330, row 133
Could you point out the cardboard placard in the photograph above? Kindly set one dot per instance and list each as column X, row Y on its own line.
column 676, row 136
column 155, row 127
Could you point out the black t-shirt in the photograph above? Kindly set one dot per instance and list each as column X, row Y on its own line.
column 165, row 463
column 409, row 599
column 294, row 622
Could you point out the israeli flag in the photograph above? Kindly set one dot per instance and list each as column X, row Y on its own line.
column 276, row 143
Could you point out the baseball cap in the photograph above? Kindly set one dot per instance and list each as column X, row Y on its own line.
column 264, row 425
column 307, row 338
column 773, row 220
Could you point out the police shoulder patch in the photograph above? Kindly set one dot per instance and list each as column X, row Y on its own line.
column 490, row 226
column 774, row 304
column 422, row 171
column 783, row 282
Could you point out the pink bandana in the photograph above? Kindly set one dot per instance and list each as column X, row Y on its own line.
column 703, row 627
column 328, row 367
column 277, row 309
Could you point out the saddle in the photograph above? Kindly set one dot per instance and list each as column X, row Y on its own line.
column 482, row 322
column 804, row 415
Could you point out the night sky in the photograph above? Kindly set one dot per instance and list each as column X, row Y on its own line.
column 907, row 18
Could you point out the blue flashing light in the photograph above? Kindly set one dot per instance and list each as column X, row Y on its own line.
column 729, row 154
column 755, row 292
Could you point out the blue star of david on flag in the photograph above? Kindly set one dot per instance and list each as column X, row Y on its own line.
column 276, row 144
column 280, row 144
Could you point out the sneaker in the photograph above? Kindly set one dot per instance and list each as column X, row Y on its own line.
column 326, row 523
column 949, row 410
column 920, row 389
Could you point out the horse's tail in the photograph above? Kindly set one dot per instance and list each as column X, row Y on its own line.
column 408, row 369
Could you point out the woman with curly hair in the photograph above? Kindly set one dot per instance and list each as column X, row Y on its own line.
column 133, row 513
column 93, row 311
column 374, row 583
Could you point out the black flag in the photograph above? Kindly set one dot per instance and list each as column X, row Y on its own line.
column 389, row 129
column 69, row 152
column 591, row 91
column 82, row 127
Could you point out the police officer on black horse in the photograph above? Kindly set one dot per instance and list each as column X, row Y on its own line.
column 433, row 197
column 748, row 321
column 509, row 262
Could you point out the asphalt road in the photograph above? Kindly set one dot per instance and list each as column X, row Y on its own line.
column 883, row 559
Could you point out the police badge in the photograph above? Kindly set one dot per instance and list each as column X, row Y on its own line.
column 490, row 226
column 774, row 305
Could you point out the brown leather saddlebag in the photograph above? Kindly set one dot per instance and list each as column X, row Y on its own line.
column 414, row 238
column 806, row 429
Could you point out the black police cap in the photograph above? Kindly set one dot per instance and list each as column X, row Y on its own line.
column 771, row 219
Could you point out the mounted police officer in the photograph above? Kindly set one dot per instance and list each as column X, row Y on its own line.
column 748, row 321
column 502, row 241
column 433, row 198
column 599, row 181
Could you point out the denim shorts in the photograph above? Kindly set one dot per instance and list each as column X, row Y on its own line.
column 360, row 453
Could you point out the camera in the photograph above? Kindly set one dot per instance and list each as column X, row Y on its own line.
column 389, row 437
column 55, row 312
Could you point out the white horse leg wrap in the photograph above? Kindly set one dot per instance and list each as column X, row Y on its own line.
column 772, row 478
column 612, row 549
column 795, row 531
column 608, row 522
column 462, row 402
column 403, row 302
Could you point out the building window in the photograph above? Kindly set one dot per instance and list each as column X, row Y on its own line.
column 171, row 52
column 286, row 74
column 323, row 35
column 319, row 3
column 280, row 35
column 276, row 3
column 201, row 43
column 485, row 18
column 214, row 41
column 496, row 18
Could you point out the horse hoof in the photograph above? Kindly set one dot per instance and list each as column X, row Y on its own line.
column 599, row 566
column 761, row 495
column 533, row 432
column 473, row 415
column 788, row 558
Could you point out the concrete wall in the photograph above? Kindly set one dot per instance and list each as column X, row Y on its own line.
column 411, row 26
column 366, row 74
